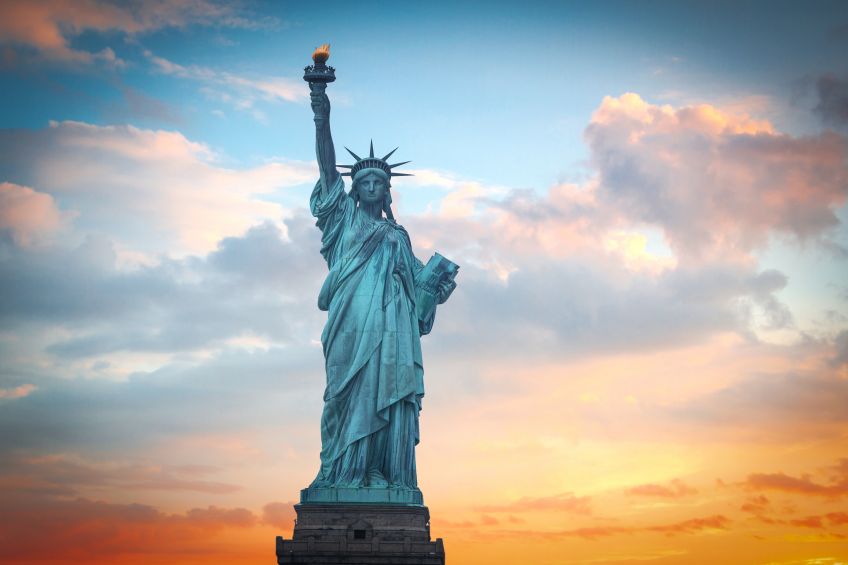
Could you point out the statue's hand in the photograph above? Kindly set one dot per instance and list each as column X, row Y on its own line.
column 445, row 289
column 320, row 101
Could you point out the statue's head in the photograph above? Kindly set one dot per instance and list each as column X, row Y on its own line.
column 371, row 185
column 371, row 179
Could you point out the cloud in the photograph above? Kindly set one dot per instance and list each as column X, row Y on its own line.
column 716, row 184
column 532, row 244
column 566, row 502
column 756, row 505
column 715, row 187
column 89, row 531
column 832, row 106
column 240, row 91
column 683, row 527
column 21, row 391
column 197, row 404
column 803, row 485
column 580, row 306
column 675, row 489
column 135, row 105
column 149, row 190
column 279, row 514
column 69, row 474
column 759, row 506
column 258, row 284
column 49, row 26
column 26, row 214
column 840, row 357
column 717, row 522
column 773, row 407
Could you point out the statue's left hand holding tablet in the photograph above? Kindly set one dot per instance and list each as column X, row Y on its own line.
column 446, row 287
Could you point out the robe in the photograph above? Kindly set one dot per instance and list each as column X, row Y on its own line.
column 372, row 346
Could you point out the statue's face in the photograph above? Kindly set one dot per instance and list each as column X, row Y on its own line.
column 371, row 188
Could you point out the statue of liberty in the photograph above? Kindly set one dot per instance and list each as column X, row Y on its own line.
column 376, row 295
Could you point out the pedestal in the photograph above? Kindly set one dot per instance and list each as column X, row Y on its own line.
column 361, row 534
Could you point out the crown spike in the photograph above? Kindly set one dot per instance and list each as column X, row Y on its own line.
column 399, row 164
column 372, row 149
column 390, row 154
column 355, row 156
column 346, row 174
column 402, row 175
column 345, row 166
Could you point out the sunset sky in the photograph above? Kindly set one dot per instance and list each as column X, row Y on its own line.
column 646, row 358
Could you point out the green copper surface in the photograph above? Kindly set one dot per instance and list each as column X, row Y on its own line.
column 372, row 339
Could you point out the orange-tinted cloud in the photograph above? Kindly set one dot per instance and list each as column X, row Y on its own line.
column 803, row 485
column 48, row 25
column 756, row 505
column 17, row 392
column 717, row 522
column 683, row 527
column 775, row 406
column 820, row 521
column 150, row 190
column 27, row 214
column 675, row 489
column 565, row 502
column 279, row 514
column 39, row 529
column 69, row 474
column 716, row 184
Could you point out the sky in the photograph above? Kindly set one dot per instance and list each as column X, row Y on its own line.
column 646, row 358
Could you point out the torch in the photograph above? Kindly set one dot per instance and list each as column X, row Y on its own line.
column 320, row 73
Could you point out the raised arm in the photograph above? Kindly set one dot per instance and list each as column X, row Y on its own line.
column 324, row 149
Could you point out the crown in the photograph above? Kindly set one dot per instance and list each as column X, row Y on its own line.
column 372, row 162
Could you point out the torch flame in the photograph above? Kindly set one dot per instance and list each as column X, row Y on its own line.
column 321, row 54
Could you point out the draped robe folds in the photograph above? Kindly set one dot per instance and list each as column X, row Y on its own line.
column 372, row 346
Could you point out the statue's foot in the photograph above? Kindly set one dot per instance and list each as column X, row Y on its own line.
column 376, row 479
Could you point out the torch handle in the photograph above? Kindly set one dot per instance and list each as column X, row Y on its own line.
column 320, row 100
column 324, row 150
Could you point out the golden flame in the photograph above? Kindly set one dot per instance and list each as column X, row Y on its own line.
column 321, row 54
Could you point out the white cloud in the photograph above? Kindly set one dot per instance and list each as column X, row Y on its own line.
column 242, row 92
column 29, row 215
column 717, row 184
column 152, row 191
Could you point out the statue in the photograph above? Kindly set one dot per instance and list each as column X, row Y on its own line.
column 380, row 300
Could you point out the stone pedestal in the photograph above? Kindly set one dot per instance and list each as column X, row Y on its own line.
column 362, row 534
